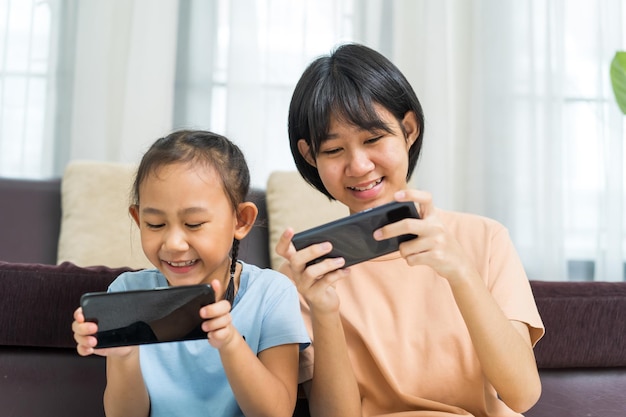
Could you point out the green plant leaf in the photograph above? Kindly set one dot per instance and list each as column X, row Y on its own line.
column 618, row 79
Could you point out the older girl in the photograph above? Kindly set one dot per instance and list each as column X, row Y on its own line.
column 443, row 327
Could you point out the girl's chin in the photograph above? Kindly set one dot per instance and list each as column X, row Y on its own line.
column 360, row 202
column 178, row 281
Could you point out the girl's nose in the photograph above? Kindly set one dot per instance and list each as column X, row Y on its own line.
column 359, row 163
column 175, row 241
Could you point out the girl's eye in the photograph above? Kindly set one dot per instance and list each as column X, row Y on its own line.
column 194, row 225
column 374, row 140
column 154, row 226
column 331, row 151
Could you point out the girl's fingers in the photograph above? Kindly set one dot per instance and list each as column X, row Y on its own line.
column 216, row 310
column 217, row 288
column 284, row 247
column 78, row 315
column 424, row 200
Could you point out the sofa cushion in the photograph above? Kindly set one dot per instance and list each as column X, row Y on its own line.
column 96, row 228
column 38, row 301
column 584, row 321
column 292, row 202
column 50, row 382
column 581, row 392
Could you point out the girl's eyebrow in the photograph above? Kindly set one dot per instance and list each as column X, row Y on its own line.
column 193, row 210
column 373, row 130
column 188, row 210
column 333, row 135
column 151, row 210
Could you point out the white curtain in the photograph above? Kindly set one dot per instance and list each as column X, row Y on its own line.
column 545, row 140
column 123, row 85
column 27, row 58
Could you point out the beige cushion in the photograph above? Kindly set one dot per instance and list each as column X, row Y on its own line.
column 96, row 228
column 292, row 202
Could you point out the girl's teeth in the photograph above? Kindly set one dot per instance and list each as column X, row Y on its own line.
column 179, row 264
column 369, row 187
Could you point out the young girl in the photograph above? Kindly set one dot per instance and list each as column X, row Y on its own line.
column 189, row 204
column 443, row 327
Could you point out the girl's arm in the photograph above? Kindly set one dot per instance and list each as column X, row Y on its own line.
column 503, row 347
column 264, row 386
column 333, row 391
column 125, row 394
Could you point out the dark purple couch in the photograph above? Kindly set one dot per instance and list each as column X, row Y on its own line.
column 582, row 358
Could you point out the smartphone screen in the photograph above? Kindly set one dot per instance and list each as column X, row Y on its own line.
column 352, row 236
column 157, row 315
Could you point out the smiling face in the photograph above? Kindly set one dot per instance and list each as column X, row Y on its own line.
column 363, row 168
column 187, row 223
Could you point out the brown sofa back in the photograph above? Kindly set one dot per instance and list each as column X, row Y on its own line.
column 30, row 220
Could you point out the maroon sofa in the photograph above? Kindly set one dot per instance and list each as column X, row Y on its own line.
column 582, row 357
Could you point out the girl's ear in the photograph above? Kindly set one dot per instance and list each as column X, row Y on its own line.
column 411, row 127
column 305, row 151
column 134, row 213
column 246, row 215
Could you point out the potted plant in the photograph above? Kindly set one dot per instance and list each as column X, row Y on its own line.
column 618, row 79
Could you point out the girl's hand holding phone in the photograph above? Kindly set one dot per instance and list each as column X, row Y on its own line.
column 315, row 282
column 86, row 342
column 218, row 323
column 435, row 247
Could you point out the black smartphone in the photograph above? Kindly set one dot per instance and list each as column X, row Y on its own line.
column 165, row 314
column 352, row 236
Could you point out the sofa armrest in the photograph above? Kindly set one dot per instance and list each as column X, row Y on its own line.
column 38, row 301
column 584, row 322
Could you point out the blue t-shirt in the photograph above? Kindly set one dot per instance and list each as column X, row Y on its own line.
column 187, row 378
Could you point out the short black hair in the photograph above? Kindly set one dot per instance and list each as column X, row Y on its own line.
column 347, row 84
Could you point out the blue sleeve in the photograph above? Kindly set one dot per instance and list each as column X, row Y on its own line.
column 282, row 321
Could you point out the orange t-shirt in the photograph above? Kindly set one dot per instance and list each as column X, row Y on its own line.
column 409, row 347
